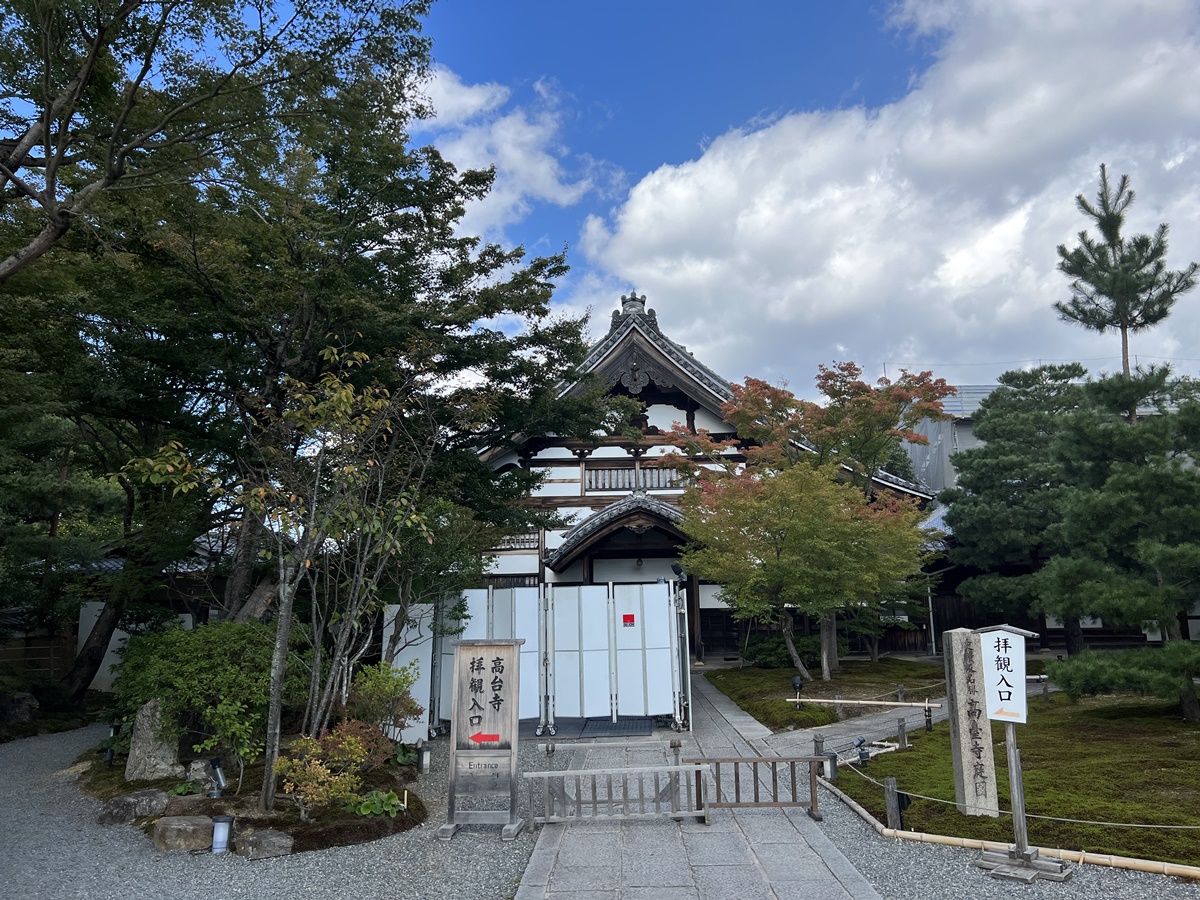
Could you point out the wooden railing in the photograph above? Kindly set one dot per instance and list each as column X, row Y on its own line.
column 628, row 478
column 748, row 793
column 625, row 793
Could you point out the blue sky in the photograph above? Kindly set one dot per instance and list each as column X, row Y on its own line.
column 792, row 183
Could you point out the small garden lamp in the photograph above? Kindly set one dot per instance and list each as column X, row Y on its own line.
column 797, row 686
column 864, row 755
column 219, row 780
column 114, row 728
column 221, row 827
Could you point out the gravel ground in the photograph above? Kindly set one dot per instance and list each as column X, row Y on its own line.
column 54, row 849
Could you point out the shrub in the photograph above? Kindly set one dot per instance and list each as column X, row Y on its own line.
column 769, row 651
column 322, row 772
column 314, row 781
column 382, row 694
column 377, row 748
column 215, row 678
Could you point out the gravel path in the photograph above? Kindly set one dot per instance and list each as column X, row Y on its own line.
column 53, row 848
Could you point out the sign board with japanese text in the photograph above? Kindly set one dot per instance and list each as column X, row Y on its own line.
column 975, row 785
column 483, row 735
column 1003, row 655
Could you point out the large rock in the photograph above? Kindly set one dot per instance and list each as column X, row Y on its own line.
column 150, row 758
column 262, row 844
column 18, row 709
column 183, row 833
column 123, row 810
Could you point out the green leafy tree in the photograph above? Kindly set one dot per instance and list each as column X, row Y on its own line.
column 1169, row 673
column 1117, row 282
column 796, row 541
column 134, row 94
column 1129, row 519
column 860, row 428
column 1006, row 510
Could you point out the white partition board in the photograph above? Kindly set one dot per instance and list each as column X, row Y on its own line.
column 416, row 646
column 524, row 624
column 475, row 628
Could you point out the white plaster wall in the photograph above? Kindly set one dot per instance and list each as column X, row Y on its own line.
column 610, row 453
column 664, row 416
column 554, row 539
column 709, row 422
column 709, row 598
column 88, row 614
column 515, row 564
column 573, row 573
column 627, row 570
column 556, row 489
column 554, row 453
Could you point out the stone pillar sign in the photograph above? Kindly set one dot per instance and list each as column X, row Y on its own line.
column 970, row 731
column 483, row 736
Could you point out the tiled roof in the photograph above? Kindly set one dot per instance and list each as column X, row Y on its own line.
column 637, row 501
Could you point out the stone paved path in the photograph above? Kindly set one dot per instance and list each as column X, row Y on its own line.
column 747, row 854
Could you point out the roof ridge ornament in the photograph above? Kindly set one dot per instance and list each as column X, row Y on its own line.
column 633, row 305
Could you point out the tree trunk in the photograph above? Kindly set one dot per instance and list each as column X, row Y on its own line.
column 829, row 648
column 786, row 624
column 257, row 604
column 91, row 655
column 1188, row 701
column 1073, row 629
column 241, row 574
column 873, row 648
column 283, row 627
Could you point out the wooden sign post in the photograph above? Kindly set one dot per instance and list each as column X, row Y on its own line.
column 1002, row 649
column 484, row 735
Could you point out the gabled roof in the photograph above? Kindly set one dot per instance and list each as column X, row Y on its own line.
column 635, row 353
column 637, row 510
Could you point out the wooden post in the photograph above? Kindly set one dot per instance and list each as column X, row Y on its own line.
column 902, row 733
column 892, row 800
column 837, row 707
column 900, row 692
column 1046, row 689
column 818, row 745
column 1016, row 788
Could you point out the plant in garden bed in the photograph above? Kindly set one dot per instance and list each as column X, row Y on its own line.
column 378, row 803
column 382, row 694
column 323, row 772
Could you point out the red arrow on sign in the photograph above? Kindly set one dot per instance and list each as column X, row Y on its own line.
column 1012, row 714
column 479, row 737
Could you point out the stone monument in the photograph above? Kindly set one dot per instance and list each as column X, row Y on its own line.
column 970, row 731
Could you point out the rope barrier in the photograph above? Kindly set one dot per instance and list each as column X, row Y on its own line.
column 1028, row 815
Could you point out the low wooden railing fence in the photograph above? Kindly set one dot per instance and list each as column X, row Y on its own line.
column 642, row 792
column 752, row 793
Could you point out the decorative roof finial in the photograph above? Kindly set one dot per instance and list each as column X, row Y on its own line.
column 633, row 305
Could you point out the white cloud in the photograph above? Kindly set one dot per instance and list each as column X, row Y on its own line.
column 475, row 126
column 455, row 103
column 924, row 232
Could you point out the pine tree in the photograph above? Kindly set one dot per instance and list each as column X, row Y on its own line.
column 1119, row 282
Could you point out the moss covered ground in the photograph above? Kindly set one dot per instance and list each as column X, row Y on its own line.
column 1113, row 759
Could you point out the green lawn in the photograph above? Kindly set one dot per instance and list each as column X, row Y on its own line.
column 760, row 692
column 1123, row 758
